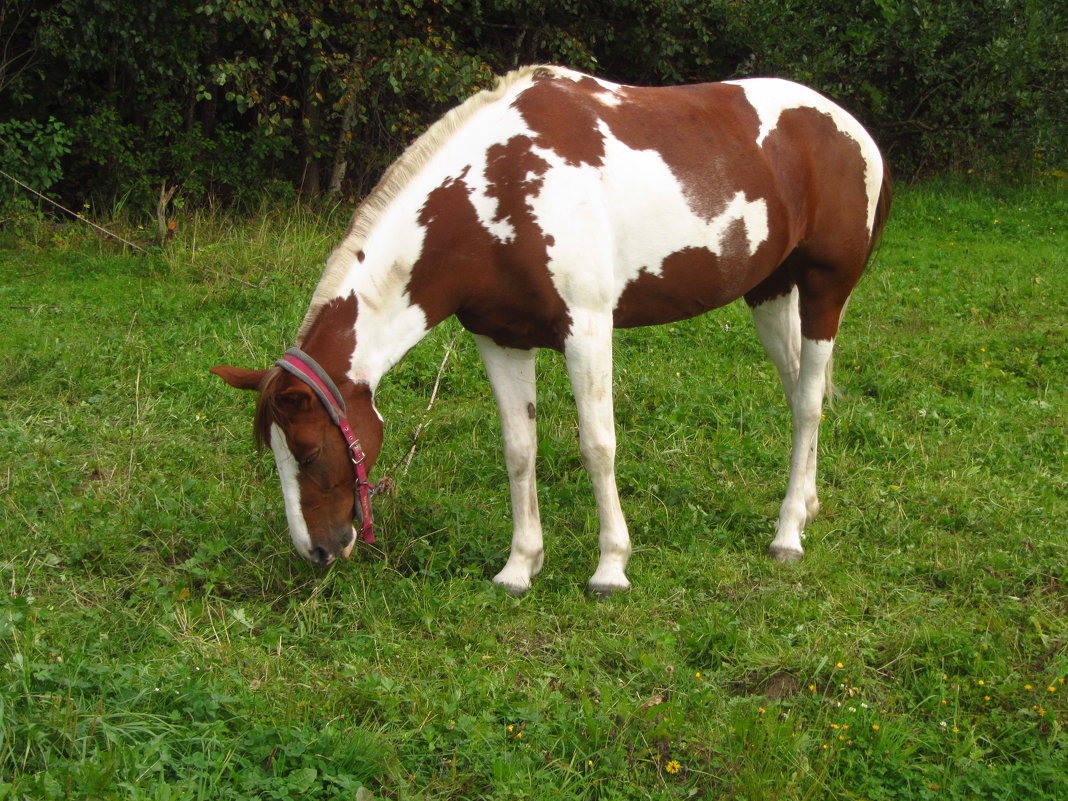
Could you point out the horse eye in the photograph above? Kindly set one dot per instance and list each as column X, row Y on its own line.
column 307, row 460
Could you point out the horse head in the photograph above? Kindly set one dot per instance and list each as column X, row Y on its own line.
column 320, row 466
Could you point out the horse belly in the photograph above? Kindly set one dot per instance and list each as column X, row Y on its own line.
column 690, row 281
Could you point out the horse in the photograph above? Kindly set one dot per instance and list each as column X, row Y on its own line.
column 544, row 213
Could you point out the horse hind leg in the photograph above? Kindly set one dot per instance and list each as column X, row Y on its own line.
column 511, row 373
column 806, row 404
column 797, row 326
column 778, row 326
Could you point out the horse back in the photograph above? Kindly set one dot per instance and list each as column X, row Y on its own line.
column 651, row 203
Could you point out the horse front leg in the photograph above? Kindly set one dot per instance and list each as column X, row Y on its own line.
column 511, row 372
column 588, row 351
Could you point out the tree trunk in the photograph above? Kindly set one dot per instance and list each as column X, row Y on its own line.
column 311, row 117
column 341, row 163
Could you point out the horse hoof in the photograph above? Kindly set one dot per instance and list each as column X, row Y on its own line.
column 603, row 591
column 512, row 587
column 780, row 554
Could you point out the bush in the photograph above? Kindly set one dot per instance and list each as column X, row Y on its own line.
column 32, row 151
column 943, row 84
column 223, row 98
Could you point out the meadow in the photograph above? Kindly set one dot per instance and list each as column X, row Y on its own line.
column 159, row 639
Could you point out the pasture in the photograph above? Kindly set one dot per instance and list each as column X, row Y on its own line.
column 160, row 640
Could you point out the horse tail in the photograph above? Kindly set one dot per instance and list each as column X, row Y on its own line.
column 882, row 210
column 831, row 392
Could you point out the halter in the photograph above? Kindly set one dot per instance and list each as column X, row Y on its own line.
column 311, row 373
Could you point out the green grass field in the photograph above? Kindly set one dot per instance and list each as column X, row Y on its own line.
column 160, row 640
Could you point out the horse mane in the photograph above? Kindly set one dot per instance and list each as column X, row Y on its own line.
column 400, row 173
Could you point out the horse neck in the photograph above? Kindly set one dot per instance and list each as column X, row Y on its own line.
column 366, row 290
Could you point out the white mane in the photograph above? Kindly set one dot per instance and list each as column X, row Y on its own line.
column 411, row 161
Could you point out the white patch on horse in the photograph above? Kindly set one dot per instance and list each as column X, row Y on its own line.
column 626, row 217
column 384, row 336
column 486, row 208
column 611, row 94
column 770, row 97
column 287, row 472
column 388, row 323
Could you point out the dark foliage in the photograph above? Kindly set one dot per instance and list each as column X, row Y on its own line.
column 234, row 99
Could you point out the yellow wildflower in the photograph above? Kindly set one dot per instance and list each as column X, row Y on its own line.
column 673, row 766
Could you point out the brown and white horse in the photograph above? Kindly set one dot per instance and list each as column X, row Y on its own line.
column 543, row 214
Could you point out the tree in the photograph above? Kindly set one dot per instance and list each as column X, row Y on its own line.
column 228, row 97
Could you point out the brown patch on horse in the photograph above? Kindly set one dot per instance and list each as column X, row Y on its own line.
column 505, row 290
column 331, row 336
column 691, row 282
column 515, row 173
column 831, row 228
column 456, row 245
column 563, row 118
column 706, row 135
column 835, row 243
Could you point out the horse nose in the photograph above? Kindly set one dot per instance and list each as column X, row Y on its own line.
column 342, row 543
column 345, row 538
column 320, row 556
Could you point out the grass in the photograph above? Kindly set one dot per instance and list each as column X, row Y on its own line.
column 159, row 640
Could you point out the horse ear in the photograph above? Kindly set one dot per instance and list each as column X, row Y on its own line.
column 240, row 378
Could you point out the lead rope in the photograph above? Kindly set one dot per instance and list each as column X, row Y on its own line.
column 386, row 484
column 419, row 429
